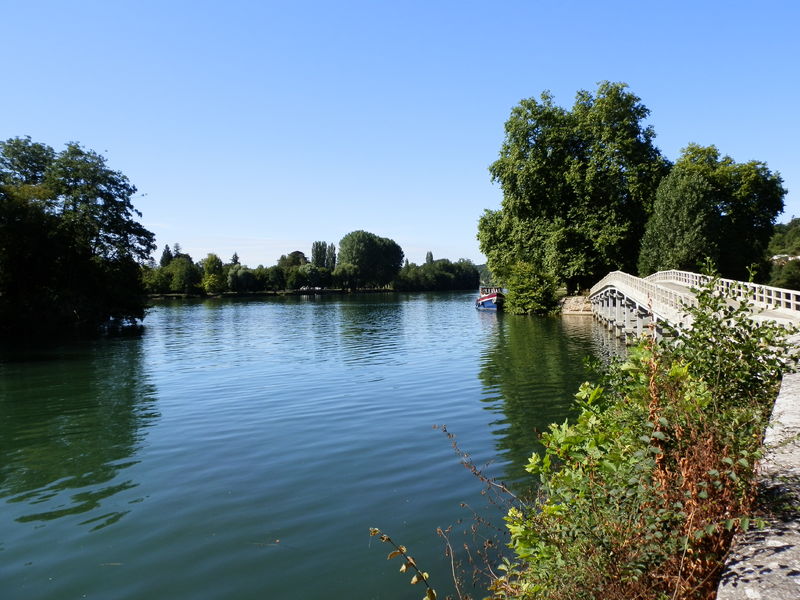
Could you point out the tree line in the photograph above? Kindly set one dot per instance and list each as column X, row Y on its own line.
column 586, row 191
column 74, row 259
column 364, row 261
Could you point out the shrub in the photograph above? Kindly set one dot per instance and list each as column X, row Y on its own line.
column 530, row 291
column 642, row 494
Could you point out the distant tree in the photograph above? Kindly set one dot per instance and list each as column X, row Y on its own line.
column 293, row 259
column 166, row 256
column 439, row 275
column 330, row 258
column 786, row 274
column 241, row 279
column 713, row 206
column 312, row 274
column 276, row 278
column 234, row 259
column 346, row 275
column 785, row 239
column 213, row 281
column 578, row 186
column 296, row 278
column 319, row 253
column 377, row 260
column 184, row 276
column 429, row 258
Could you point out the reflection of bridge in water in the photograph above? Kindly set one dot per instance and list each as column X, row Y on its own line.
column 629, row 305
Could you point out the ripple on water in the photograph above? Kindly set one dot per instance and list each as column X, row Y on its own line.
column 239, row 446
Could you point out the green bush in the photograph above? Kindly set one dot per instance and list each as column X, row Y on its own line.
column 642, row 494
column 530, row 291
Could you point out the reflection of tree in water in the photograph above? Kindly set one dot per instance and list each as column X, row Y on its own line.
column 368, row 329
column 69, row 426
column 530, row 370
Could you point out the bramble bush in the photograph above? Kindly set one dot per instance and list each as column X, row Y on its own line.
column 642, row 494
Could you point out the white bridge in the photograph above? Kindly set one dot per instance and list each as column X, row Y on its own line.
column 630, row 305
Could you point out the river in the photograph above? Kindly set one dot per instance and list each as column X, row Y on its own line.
column 242, row 449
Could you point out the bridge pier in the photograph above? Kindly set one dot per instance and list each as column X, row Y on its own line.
column 620, row 315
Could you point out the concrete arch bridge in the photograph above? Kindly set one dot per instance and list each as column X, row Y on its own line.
column 630, row 305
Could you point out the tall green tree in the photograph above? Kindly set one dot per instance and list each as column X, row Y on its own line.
column 166, row 256
column 712, row 206
column 71, row 247
column 578, row 186
column 330, row 257
column 377, row 260
column 214, row 280
column 319, row 254
column 293, row 259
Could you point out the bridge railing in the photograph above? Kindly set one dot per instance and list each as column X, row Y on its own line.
column 660, row 297
column 764, row 296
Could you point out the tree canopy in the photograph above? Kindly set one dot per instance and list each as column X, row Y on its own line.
column 578, row 186
column 370, row 259
column 710, row 206
column 70, row 244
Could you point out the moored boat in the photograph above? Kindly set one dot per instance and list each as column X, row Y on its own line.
column 491, row 298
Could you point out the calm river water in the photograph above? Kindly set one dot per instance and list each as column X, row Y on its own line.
column 242, row 449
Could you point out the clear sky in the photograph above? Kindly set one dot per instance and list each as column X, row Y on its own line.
column 260, row 127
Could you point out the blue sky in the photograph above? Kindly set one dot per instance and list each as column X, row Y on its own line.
column 260, row 127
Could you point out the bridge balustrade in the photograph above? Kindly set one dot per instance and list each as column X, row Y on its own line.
column 763, row 296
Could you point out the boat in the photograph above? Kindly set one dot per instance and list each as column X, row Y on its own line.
column 491, row 298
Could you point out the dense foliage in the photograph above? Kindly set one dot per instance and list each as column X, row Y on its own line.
column 366, row 259
column 578, row 186
column 177, row 273
column 641, row 495
column 530, row 291
column 437, row 275
column 785, row 239
column 70, row 244
column 712, row 207
column 784, row 248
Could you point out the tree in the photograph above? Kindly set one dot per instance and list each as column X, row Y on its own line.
column 293, row 259
column 785, row 239
column 429, row 258
column 319, row 253
column 684, row 228
column 71, row 249
column 213, row 281
column 713, row 206
column 377, row 260
column 330, row 257
column 184, row 275
column 530, row 291
column 166, row 256
column 577, row 185
column 276, row 278
column 234, row 259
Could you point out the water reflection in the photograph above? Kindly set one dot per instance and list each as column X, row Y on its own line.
column 530, row 371
column 368, row 330
column 71, row 422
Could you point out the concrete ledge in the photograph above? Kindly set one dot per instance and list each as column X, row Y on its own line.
column 765, row 563
column 576, row 305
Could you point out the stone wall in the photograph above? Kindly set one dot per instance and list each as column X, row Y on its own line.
column 765, row 563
